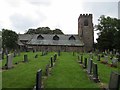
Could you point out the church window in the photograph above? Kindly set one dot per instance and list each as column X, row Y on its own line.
column 55, row 37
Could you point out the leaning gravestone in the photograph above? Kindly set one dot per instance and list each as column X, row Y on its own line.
column 9, row 61
column 89, row 68
column 39, row 80
column 114, row 83
column 95, row 73
column 25, row 58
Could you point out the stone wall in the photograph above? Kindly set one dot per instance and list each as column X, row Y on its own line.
column 56, row 48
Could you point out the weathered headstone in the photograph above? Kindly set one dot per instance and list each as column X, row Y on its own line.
column 2, row 55
column 14, row 53
column 9, row 61
column 51, row 62
column 89, row 68
column 36, row 56
column 98, row 59
column 78, row 57
column 39, row 80
column 58, row 52
column 114, row 83
column 105, row 61
column 47, row 70
column 25, row 58
column 81, row 59
column 73, row 53
column 85, row 63
column 95, row 73
column 114, row 62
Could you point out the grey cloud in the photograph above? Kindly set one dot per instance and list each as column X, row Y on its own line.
column 119, row 9
column 23, row 23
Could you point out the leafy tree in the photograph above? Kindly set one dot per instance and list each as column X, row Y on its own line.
column 44, row 30
column 107, row 32
column 9, row 39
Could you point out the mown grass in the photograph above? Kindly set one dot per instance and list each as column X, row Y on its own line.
column 66, row 73
column 23, row 75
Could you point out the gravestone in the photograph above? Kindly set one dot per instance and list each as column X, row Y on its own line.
column 81, row 59
column 36, row 56
column 73, row 53
column 85, row 63
column 105, row 61
column 18, row 53
column 54, row 58
column 114, row 62
column 114, row 83
column 25, row 58
column 39, row 80
column 98, row 58
column 51, row 62
column 47, row 70
column 2, row 55
column 89, row 68
column 58, row 52
column 78, row 57
column 95, row 73
column 14, row 53
column 9, row 61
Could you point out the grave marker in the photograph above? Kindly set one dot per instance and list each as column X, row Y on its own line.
column 89, row 68
column 51, row 62
column 9, row 61
column 85, row 63
column 114, row 83
column 39, row 80
column 47, row 70
column 25, row 58
column 95, row 73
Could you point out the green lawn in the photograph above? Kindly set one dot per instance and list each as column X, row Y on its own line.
column 67, row 72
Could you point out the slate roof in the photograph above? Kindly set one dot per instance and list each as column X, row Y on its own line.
column 48, row 39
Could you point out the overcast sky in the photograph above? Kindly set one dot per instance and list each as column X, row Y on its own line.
column 20, row 15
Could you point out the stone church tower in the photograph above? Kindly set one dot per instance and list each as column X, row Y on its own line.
column 85, row 31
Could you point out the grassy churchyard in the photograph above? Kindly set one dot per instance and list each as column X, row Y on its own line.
column 65, row 73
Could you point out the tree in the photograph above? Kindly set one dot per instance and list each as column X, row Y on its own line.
column 9, row 39
column 44, row 30
column 107, row 32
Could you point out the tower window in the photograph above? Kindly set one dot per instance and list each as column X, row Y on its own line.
column 86, row 22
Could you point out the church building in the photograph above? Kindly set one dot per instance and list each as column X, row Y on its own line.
column 83, row 41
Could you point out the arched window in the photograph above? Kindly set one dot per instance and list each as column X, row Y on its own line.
column 40, row 37
column 72, row 37
column 86, row 22
column 55, row 37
